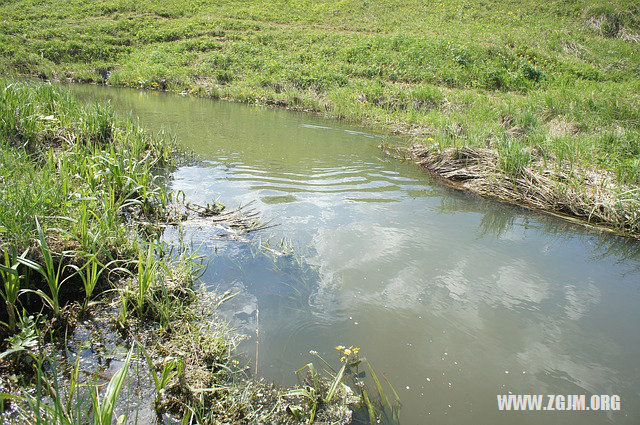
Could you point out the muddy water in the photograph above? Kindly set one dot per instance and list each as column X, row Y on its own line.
column 455, row 298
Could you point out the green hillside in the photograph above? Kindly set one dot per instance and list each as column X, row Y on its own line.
column 557, row 80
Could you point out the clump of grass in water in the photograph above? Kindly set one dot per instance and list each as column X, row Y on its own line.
column 316, row 390
column 78, row 170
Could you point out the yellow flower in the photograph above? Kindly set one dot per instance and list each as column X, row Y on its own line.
column 356, row 350
column 347, row 352
column 340, row 347
column 342, row 359
column 430, row 139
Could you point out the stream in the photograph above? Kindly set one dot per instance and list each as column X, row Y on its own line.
column 455, row 298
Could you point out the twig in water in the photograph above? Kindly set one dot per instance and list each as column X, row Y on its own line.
column 257, row 338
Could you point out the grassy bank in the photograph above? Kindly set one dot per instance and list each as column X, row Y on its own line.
column 552, row 84
column 68, row 175
column 86, row 282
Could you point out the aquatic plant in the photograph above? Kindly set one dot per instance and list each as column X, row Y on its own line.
column 316, row 390
column 52, row 272
column 90, row 274
column 70, row 404
column 172, row 367
column 103, row 408
column 123, row 312
column 379, row 408
column 147, row 269
column 11, row 284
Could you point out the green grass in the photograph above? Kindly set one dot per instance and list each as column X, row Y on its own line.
column 75, row 181
column 562, row 77
column 74, row 168
column 76, row 186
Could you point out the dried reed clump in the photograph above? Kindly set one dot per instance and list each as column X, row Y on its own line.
column 588, row 194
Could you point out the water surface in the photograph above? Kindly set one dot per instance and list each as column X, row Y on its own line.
column 455, row 298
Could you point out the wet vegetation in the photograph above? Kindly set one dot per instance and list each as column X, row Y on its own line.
column 102, row 320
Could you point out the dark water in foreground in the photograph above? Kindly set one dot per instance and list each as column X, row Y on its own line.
column 455, row 298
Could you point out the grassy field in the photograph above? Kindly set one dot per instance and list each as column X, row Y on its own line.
column 558, row 80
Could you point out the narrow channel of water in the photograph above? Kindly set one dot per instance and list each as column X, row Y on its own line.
column 455, row 298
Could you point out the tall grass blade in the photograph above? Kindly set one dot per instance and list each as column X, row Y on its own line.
column 370, row 408
column 103, row 414
column 334, row 385
column 11, row 285
column 381, row 392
